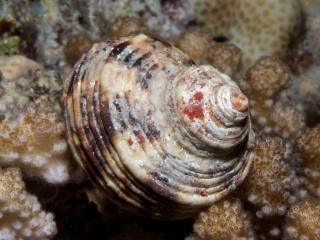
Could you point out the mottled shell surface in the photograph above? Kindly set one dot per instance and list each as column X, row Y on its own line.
column 159, row 135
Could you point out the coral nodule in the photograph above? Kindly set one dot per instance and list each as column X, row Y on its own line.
column 21, row 215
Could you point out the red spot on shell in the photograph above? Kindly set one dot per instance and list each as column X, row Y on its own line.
column 203, row 192
column 194, row 111
column 198, row 96
column 130, row 142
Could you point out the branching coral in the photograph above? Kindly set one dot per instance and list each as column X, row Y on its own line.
column 306, row 87
column 195, row 43
column 126, row 26
column 308, row 156
column 227, row 59
column 303, row 221
column 21, row 215
column 32, row 134
column 271, row 109
column 75, row 46
column 271, row 183
column 258, row 28
column 224, row 220
column 17, row 66
column 271, row 186
column 34, row 140
column 165, row 18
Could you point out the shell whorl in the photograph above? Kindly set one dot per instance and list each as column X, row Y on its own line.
column 159, row 135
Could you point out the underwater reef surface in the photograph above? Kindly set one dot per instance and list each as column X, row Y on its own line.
column 271, row 49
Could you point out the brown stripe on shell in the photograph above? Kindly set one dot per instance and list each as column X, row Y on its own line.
column 146, row 75
column 128, row 181
column 107, row 118
column 157, row 183
column 148, row 130
column 143, row 81
column 119, row 48
column 74, row 141
column 151, row 184
column 138, row 62
column 91, row 167
column 164, row 43
column 129, row 57
column 153, row 134
column 188, row 62
column 124, row 184
column 87, row 140
column 136, row 125
column 70, row 87
column 75, row 74
column 117, row 104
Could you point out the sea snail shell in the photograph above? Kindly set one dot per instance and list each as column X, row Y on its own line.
column 159, row 135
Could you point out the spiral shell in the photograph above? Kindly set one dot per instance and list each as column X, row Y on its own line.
column 159, row 135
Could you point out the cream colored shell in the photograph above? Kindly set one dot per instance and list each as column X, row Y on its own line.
column 159, row 135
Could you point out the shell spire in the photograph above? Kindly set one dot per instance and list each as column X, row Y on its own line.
column 161, row 136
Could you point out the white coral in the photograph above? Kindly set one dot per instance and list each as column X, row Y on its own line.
column 35, row 143
column 21, row 214
column 32, row 134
